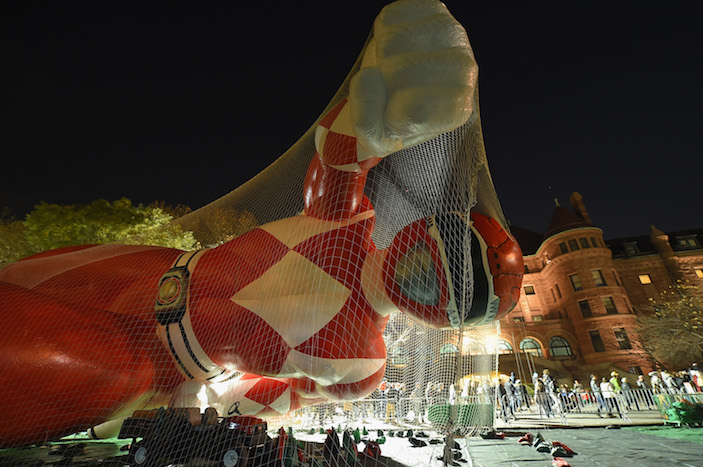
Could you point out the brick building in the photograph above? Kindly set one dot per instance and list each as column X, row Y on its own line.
column 582, row 293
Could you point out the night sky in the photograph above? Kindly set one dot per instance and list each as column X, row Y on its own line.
column 184, row 102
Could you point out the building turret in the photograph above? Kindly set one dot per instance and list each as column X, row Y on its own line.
column 573, row 308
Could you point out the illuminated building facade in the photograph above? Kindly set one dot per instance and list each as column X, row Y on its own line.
column 582, row 293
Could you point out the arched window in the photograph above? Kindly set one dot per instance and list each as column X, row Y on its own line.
column 559, row 347
column 399, row 357
column 531, row 346
column 449, row 349
column 504, row 348
column 471, row 346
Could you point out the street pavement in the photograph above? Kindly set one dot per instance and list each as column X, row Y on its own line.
column 593, row 446
column 597, row 442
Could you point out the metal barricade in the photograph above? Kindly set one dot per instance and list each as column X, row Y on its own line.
column 483, row 409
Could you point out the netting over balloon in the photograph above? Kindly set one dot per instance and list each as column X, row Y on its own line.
column 355, row 281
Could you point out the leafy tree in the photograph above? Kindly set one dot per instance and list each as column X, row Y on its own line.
column 673, row 329
column 215, row 225
column 51, row 226
column 13, row 244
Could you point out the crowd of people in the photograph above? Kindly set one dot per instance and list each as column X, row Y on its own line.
column 611, row 395
column 689, row 380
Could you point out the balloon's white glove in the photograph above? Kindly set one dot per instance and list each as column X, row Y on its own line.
column 417, row 79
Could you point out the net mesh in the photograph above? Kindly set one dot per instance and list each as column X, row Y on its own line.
column 281, row 315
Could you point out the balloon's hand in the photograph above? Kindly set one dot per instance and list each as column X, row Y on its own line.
column 417, row 78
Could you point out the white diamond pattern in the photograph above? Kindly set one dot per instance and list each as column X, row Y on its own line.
column 295, row 297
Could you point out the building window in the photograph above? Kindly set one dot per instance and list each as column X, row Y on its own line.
column 576, row 282
column 631, row 248
column 537, row 318
column 556, row 287
column 573, row 245
column 699, row 272
column 531, row 346
column 635, row 370
column 449, row 349
column 584, row 242
column 627, row 305
column 598, row 278
column 471, row 346
column 623, row 340
column 529, row 290
column 609, row 305
column 688, row 241
column 594, row 242
column 563, row 248
column 559, row 347
column 518, row 319
column 527, row 270
column 645, row 279
column 596, row 341
column 617, row 280
column 399, row 357
column 554, row 296
column 585, row 309
column 504, row 347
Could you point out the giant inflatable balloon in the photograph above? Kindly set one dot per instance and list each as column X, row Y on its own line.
column 395, row 213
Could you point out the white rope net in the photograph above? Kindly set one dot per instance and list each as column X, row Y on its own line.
column 334, row 289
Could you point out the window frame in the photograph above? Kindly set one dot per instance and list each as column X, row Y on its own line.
column 631, row 248
column 622, row 337
column 607, row 308
column 504, row 347
column 399, row 357
column 688, row 242
column 537, row 349
column 563, row 340
column 645, row 279
column 598, row 278
column 617, row 279
column 596, row 339
column 587, row 306
column 449, row 348
column 573, row 282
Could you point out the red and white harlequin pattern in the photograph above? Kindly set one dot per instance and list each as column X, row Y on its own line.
column 300, row 301
column 260, row 396
column 337, row 145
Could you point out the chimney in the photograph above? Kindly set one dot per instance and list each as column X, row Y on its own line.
column 660, row 240
column 576, row 201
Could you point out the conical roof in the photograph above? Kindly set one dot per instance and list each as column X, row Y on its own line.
column 562, row 220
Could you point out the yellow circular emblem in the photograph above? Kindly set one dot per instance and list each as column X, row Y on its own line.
column 168, row 291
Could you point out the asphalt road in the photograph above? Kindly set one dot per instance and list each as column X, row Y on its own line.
column 594, row 447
